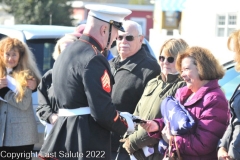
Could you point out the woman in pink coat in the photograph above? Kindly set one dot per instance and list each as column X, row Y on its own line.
column 204, row 100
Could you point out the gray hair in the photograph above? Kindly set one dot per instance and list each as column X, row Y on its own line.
column 133, row 23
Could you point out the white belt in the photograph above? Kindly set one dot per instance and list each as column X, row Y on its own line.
column 74, row 112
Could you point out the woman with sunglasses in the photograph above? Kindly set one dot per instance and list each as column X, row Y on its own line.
column 155, row 91
column 205, row 102
column 229, row 145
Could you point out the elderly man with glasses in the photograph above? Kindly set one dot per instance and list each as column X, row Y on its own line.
column 132, row 69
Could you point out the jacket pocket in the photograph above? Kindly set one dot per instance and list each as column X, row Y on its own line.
column 147, row 141
column 23, row 132
column 236, row 140
column 19, row 120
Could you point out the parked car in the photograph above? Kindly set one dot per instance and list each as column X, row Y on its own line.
column 41, row 39
column 230, row 80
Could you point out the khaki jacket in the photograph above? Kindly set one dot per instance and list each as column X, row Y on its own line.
column 148, row 108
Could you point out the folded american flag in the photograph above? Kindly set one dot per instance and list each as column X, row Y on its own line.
column 162, row 146
column 175, row 113
column 180, row 120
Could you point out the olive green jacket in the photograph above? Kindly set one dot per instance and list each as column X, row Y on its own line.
column 148, row 108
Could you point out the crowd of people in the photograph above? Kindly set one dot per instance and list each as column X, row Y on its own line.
column 91, row 100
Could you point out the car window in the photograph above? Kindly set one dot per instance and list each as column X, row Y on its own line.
column 148, row 51
column 2, row 36
column 43, row 49
column 229, row 82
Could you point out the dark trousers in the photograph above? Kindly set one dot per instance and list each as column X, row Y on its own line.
column 18, row 152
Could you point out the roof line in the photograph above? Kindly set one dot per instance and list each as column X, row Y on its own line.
column 81, row 4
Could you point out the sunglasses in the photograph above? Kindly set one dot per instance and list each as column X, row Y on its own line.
column 169, row 59
column 128, row 38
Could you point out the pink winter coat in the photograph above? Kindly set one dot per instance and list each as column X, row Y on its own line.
column 209, row 108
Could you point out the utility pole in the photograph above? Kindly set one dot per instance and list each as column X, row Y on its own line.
column 50, row 19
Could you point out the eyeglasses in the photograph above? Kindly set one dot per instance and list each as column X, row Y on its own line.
column 128, row 38
column 169, row 59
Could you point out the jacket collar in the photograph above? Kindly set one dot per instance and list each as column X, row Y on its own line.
column 92, row 40
column 133, row 61
column 211, row 85
column 9, row 70
column 170, row 78
column 235, row 93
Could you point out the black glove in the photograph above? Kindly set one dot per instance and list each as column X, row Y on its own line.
column 3, row 91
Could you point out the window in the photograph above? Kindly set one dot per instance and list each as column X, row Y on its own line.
column 229, row 82
column 221, row 20
column 232, row 19
column 226, row 24
column 220, row 32
column 42, row 50
column 171, row 18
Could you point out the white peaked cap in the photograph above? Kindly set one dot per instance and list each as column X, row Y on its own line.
column 108, row 13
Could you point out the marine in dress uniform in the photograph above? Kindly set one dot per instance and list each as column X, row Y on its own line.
column 47, row 108
column 82, row 85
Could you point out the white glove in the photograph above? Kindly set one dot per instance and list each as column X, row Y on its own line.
column 131, row 125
